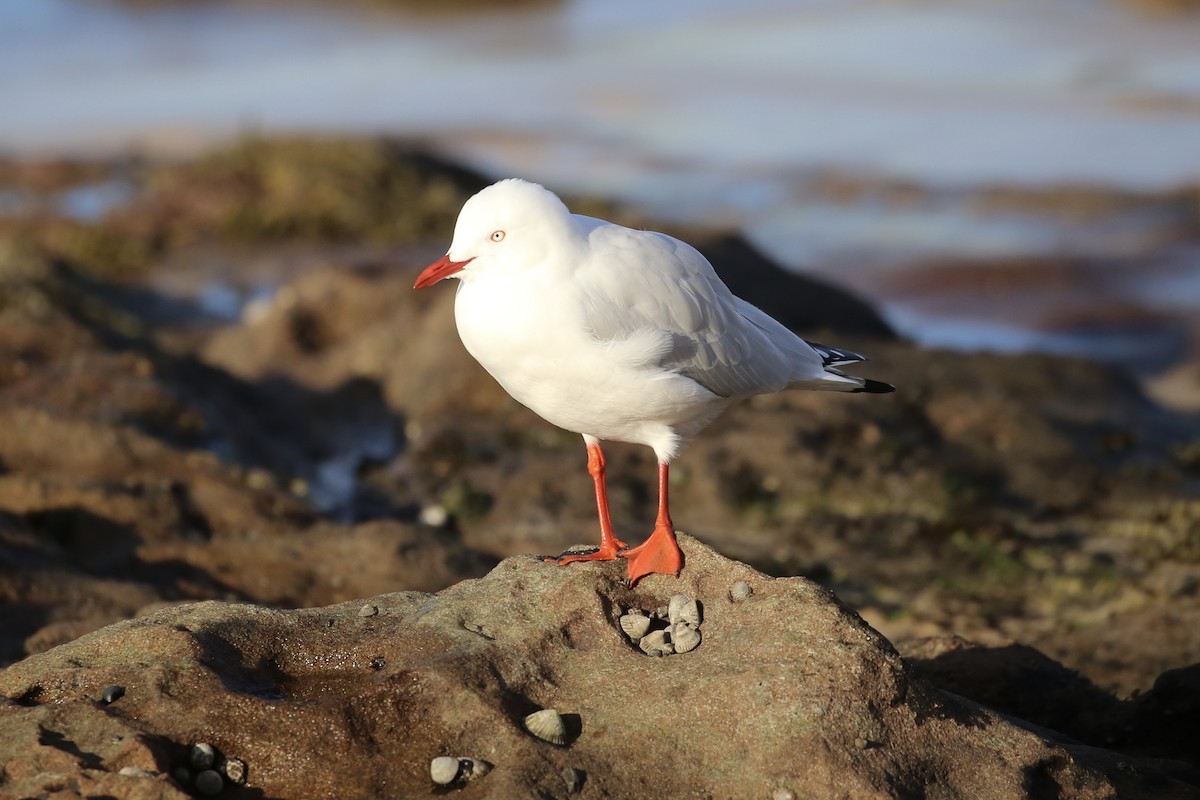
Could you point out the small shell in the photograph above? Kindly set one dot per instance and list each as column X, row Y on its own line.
column 547, row 725
column 635, row 626
column 573, row 778
column 112, row 694
column 740, row 591
column 234, row 770
column 683, row 609
column 368, row 610
column 655, row 643
column 473, row 768
column 444, row 770
column 684, row 638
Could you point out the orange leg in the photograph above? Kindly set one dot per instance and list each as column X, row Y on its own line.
column 609, row 543
column 660, row 553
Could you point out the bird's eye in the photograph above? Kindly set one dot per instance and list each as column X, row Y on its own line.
column 498, row 236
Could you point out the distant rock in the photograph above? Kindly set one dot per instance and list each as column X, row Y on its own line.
column 789, row 691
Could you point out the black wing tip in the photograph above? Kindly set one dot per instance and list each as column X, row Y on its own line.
column 835, row 356
column 874, row 387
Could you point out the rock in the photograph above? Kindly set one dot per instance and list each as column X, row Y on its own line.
column 793, row 690
column 202, row 756
column 445, row 770
column 801, row 302
column 209, row 782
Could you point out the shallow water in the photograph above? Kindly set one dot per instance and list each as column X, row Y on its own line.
column 696, row 110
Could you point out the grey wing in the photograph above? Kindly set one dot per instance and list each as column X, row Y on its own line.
column 652, row 282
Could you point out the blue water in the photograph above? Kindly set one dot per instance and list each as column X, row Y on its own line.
column 705, row 111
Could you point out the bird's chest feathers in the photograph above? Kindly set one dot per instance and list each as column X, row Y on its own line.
column 522, row 336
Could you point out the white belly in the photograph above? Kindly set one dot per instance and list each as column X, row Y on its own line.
column 542, row 355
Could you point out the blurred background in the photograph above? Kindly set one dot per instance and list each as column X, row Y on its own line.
column 1005, row 175
column 217, row 382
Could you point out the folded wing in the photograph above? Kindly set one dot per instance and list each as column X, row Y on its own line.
column 651, row 285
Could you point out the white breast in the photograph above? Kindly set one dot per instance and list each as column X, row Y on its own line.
column 530, row 335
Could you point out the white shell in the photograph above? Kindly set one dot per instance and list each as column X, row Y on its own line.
column 547, row 725
column 683, row 609
column 684, row 638
column 740, row 591
column 444, row 769
column 635, row 625
column 655, row 643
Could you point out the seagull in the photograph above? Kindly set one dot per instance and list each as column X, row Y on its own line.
column 616, row 334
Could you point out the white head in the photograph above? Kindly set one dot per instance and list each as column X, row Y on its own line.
column 503, row 229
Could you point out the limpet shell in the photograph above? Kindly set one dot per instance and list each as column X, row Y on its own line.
column 547, row 725
column 473, row 768
column 635, row 625
column 656, row 643
column 740, row 591
column 684, row 638
column 683, row 609
column 444, row 770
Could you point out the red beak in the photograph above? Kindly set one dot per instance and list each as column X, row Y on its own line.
column 442, row 268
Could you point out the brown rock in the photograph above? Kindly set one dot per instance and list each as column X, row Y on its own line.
column 791, row 691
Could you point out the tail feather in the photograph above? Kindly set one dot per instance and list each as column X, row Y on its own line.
column 833, row 379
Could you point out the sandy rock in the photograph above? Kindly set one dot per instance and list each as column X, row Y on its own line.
column 790, row 692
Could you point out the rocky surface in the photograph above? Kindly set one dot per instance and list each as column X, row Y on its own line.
column 788, row 691
column 225, row 389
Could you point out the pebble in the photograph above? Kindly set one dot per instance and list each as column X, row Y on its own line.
column 444, row 770
column 182, row 775
column 136, row 772
column 202, row 756
column 368, row 610
column 434, row 516
column 112, row 694
column 783, row 793
column 209, row 782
